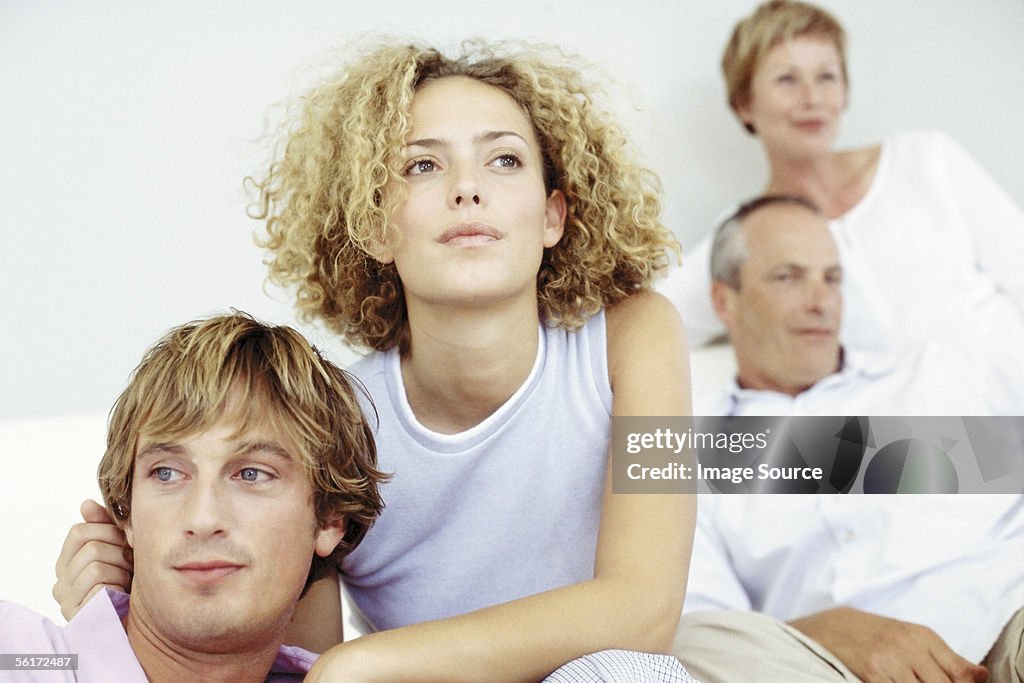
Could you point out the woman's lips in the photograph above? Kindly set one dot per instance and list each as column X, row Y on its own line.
column 813, row 126
column 469, row 234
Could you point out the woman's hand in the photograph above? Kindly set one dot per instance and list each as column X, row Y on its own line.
column 93, row 557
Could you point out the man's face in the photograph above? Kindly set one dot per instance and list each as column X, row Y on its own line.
column 784, row 319
column 223, row 531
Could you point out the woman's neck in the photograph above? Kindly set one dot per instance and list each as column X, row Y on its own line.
column 465, row 363
column 835, row 182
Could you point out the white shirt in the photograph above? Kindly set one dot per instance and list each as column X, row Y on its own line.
column 934, row 247
column 939, row 378
column 953, row 563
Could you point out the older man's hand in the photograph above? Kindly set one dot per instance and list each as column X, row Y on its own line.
column 877, row 648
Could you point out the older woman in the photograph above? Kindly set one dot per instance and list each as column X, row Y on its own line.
column 930, row 243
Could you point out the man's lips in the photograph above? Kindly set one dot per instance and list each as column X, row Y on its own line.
column 208, row 571
column 815, row 332
column 469, row 234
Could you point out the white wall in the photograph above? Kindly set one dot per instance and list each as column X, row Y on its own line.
column 126, row 128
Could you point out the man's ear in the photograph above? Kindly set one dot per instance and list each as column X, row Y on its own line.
column 554, row 218
column 126, row 527
column 329, row 536
column 723, row 298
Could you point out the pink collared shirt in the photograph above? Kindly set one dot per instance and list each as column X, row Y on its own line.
column 97, row 636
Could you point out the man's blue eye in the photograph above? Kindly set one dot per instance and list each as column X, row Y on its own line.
column 249, row 474
column 164, row 473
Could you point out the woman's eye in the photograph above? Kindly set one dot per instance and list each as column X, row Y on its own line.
column 786, row 78
column 507, row 161
column 420, row 166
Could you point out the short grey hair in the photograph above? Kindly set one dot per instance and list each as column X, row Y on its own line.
column 729, row 248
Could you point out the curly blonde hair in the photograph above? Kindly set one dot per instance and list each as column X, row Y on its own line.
column 324, row 202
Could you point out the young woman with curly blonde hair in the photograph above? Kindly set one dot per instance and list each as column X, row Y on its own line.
column 327, row 201
column 479, row 223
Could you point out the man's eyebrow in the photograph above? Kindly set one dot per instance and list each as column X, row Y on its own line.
column 159, row 448
column 243, row 448
column 271, row 448
column 488, row 136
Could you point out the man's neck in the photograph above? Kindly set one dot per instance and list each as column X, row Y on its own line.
column 164, row 660
column 749, row 378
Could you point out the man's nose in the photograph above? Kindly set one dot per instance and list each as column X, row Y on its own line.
column 822, row 298
column 206, row 510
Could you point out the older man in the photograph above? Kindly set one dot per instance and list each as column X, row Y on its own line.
column 240, row 470
column 776, row 285
column 794, row 588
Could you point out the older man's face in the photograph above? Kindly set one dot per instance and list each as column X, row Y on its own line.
column 784, row 319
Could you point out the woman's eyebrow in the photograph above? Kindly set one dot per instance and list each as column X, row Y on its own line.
column 487, row 136
column 492, row 135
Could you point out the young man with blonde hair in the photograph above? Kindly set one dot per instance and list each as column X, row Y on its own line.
column 240, row 470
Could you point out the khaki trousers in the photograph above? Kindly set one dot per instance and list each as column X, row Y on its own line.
column 722, row 646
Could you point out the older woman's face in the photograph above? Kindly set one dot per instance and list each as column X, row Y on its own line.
column 797, row 96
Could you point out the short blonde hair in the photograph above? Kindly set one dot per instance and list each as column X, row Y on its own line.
column 325, row 205
column 774, row 22
column 183, row 386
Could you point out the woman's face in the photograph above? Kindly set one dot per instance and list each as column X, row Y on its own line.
column 797, row 96
column 475, row 217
